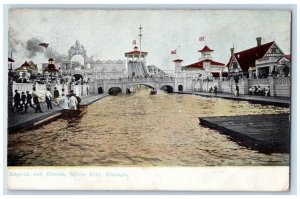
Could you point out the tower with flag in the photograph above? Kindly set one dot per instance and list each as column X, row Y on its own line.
column 206, row 67
column 51, row 69
column 136, row 60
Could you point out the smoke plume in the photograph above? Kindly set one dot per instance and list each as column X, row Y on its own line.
column 33, row 48
column 30, row 50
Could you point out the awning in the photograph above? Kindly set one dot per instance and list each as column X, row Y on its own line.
column 224, row 74
column 217, row 74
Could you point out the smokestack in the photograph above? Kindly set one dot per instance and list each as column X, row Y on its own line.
column 258, row 41
column 232, row 51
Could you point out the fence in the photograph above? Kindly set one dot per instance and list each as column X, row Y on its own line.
column 79, row 90
column 278, row 86
column 24, row 87
column 282, row 86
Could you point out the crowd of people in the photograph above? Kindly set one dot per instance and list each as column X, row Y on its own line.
column 213, row 89
column 257, row 90
column 22, row 102
column 70, row 101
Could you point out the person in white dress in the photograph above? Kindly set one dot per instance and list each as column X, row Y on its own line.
column 64, row 102
column 73, row 103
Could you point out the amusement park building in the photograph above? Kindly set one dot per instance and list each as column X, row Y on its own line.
column 260, row 61
column 206, row 67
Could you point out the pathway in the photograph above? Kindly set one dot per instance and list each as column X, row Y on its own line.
column 277, row 101
column 19, row 121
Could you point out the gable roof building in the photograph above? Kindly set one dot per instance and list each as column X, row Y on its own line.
column 247, row 58
column 260, row 60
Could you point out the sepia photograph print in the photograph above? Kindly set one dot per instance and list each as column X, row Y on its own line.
column 149, row 99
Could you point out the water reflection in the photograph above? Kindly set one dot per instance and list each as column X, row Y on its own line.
column 142, row 130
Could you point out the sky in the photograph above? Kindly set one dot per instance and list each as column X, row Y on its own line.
column 108, row 34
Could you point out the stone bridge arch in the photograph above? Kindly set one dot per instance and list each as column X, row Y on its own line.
column 115, row 90
column 124, row 84
column 168, row 88
column 130, row 85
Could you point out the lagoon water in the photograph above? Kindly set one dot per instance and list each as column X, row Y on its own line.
column 141, row 130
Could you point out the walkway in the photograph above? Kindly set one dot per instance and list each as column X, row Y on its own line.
column 20, row 121
column 276, row 101
column 269, row 133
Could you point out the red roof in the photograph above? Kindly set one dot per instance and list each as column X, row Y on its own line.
column 25, row 64
column 23, row 67
column 200, row 64
column 136, row 52
column 288, row 57
column 247, row 58
column 206, row 49
column 177, row 60
column 51, row 68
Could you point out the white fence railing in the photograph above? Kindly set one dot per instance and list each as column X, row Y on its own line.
column 80, row 90
column 278, row 86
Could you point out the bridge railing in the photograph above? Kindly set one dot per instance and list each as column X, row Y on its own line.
column 148, row 79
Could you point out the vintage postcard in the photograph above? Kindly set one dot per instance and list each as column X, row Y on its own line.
column 174, row 100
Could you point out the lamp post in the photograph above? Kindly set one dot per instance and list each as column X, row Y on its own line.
column 10, row 85
column 236, row 77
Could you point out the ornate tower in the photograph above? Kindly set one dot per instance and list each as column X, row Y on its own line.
column 177, row 65
column 78, row 49
column 179, row 80
column 205, row 53
column 136, row 60
column 136, row 63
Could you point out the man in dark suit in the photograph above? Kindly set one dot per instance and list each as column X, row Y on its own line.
column 17, row 101
column 28, row 101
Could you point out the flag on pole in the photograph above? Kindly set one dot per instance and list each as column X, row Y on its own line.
column 134, row 42
column 201, row 38
column 173, row 52
column 44, row 45
column 11, row 60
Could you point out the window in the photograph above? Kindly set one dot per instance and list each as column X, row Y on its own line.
column 234, row 65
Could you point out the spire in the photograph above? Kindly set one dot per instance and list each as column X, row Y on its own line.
column 140, row 35
column 232, row 49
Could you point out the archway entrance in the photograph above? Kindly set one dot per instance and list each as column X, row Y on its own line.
column 77, row 62
column 286, row 71
column 167, row 88
column 180, row 88
column 114, row 91
column 77, row 55
column 100, row 90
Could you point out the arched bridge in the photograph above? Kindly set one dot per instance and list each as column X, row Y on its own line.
column 126, row 83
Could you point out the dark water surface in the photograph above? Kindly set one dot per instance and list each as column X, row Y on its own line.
column 141, row 130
